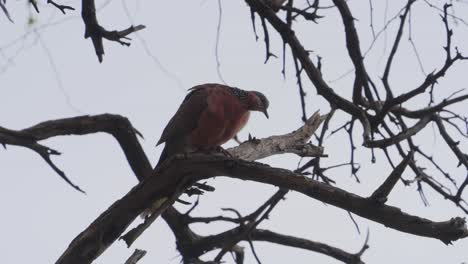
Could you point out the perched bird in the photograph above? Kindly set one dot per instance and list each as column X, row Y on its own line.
column 210, row 115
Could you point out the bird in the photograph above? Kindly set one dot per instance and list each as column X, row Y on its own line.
column 210, row 115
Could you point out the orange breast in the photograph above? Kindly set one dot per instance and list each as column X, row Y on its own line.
column 223, row 119
column 234, row 127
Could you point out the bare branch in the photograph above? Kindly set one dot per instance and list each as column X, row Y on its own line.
column 34, row 4
column 109, row 225
column 462, row 157
column 312, row 71
column 5, row 11
column 311, row 16
column 294, row 142
column 380, row 195
column 181, row 173
column 266, row 38
column 407, row 133
column 60, row 7
column 96, row 32
column 136, row 256
column 112, row 223
column 24, row 139
column 302, row 94
column 430, row 80
column 252, row 224
column 162, row 204
column 269, row 236
column 394, row 49
column 253, row 150
column 116, row 125
column 354, row 50
column 428, row 110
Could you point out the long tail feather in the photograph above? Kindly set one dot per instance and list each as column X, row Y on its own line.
column 155, row 206
column 163, row 156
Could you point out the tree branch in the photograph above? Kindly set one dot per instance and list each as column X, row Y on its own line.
column 136, row 256
column 116, row 125
column 5, row 11
column 405, row 134
column 291, row 241
column 394, row 49
column 108, row 227
column 20, row 138
column 354, row 50
column 380, row 195
column 182, row 171
column 289, row 37
column 60, row 7
column 294, row 142
column 96, row 32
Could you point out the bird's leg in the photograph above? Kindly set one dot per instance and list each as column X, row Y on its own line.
column 225, row 152
column 236, row 138
column 212, row 150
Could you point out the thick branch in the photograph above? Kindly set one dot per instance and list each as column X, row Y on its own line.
column 108, row 227
column 380, row 195
column 117, row 126
column 294, row 142
column 125, row 134
column 112, row 223
column 20, row 138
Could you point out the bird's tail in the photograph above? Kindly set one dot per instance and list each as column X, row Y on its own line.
column 154, row 208
column 158, row 203
column 163, row 157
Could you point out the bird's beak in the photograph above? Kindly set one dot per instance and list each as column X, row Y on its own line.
column 265, row 113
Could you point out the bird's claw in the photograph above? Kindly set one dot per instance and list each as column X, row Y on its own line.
column 224, row 152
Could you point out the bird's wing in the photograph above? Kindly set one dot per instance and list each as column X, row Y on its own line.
column 186, row 118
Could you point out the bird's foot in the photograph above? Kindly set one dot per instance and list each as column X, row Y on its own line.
column 236, row 138
column 224, row 152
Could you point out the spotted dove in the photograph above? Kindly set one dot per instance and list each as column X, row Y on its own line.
column 210, row 115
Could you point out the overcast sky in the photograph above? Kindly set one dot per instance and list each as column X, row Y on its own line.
column 49, row 71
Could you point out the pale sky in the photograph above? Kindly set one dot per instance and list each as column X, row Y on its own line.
column 49, row 71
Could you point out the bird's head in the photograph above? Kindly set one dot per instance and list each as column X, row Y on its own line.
column 258, row 102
